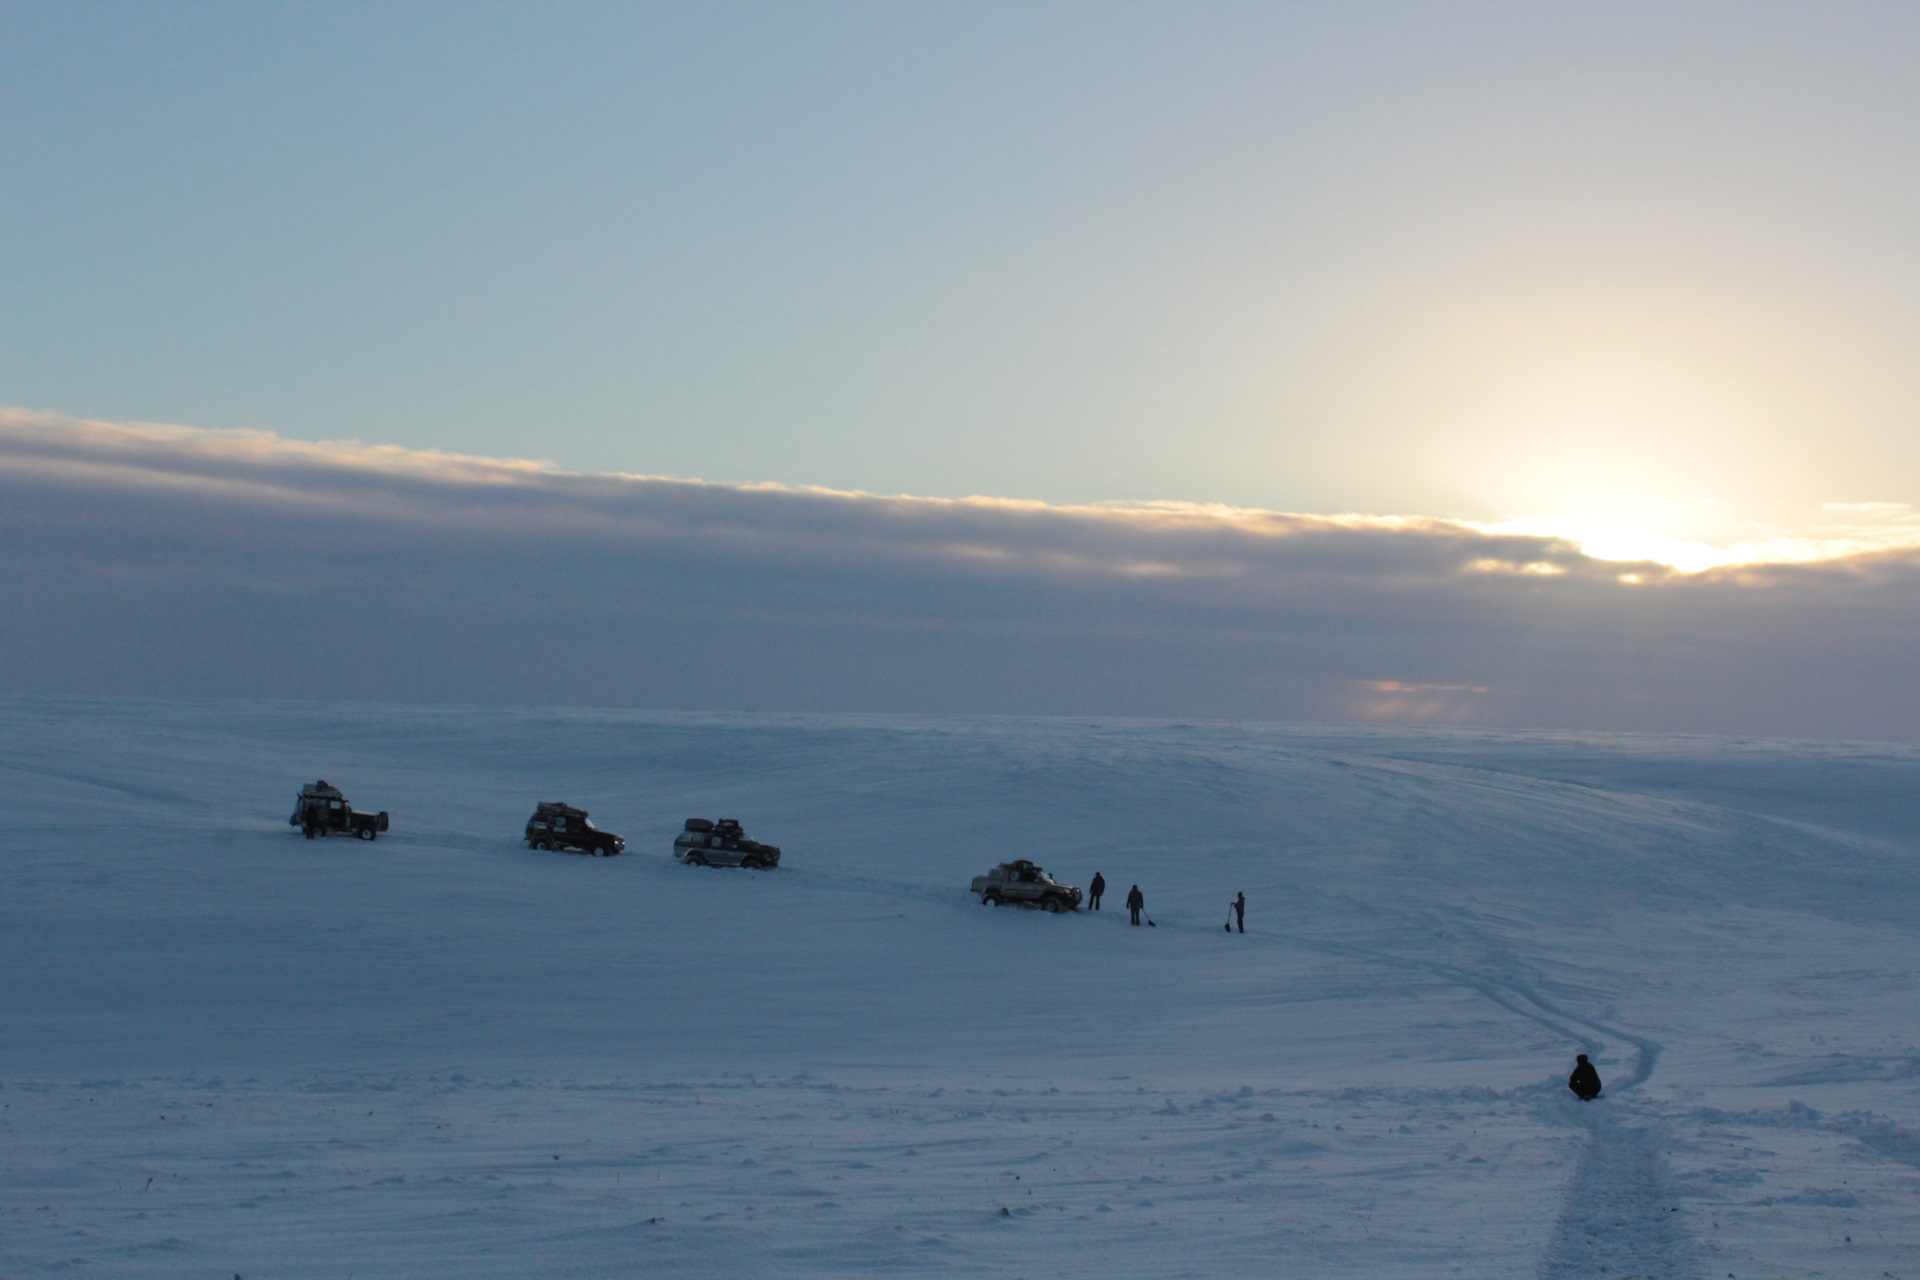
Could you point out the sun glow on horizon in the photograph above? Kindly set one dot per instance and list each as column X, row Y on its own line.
column 1638, row 435
column 1664, row 475
column 1706, row 534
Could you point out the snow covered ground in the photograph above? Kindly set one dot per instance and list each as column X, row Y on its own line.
column 227, row 1050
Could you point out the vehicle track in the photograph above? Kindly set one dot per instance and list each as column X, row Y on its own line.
column 1617, row 1218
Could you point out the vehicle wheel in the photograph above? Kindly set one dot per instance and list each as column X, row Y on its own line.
column 542, row 845
column 1052, row 904
column 989, row 899
column 696, row 859
column 365, row 833
column 753, row 864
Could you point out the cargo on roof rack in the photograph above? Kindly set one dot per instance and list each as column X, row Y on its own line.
column 555, row 824
column 1022, row 882
column 704, row 843
column 321, row 810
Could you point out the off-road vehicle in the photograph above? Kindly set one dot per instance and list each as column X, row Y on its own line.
column 555, row 825
column 320, row 810
column 1023, row 882
column 722, row 844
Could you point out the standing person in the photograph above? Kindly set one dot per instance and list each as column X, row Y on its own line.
column 1240, row 910
column 1585, row 1081
column 1135, row 903
column 1094, row 890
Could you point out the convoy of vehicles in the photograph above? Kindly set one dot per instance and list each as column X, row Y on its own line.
column 557, row 825
column 722, row 844
column 320, row 810
column 1024, row 882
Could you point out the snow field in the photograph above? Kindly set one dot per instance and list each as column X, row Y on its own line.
column 437, row 1178
column 443, row 1054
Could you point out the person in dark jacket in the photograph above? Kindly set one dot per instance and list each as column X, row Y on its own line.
column 1240, row 910
column 1585, row 1081
column 1094, row 890
column 1135, row 903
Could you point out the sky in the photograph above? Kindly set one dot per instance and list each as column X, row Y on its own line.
column 1637, row 282
column 1630, row 270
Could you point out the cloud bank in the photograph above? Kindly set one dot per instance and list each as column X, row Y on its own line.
column 141, row 559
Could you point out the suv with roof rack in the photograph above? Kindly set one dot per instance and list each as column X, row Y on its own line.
column 557, row 825
column 722, row 844
column 1022, row 881
column 320, row 810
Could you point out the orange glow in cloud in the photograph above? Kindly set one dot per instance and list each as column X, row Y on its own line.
column 1401, row 702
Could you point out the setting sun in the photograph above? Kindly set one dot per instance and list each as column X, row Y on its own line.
column 1708, row 533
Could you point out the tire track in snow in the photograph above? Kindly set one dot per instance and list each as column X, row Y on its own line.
column 104, row 783
column 1618, row 1219
column 1520, row 999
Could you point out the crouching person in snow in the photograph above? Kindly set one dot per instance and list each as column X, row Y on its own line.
column 1095, row 889
column 1585, row 1081
column 1135, row 902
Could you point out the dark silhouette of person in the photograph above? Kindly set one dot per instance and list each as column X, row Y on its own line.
column 1135, row 903
column 1094, row 890
column 1240, row 910
column 1585, row 1081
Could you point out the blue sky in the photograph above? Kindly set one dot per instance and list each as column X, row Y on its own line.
column 1615, row 270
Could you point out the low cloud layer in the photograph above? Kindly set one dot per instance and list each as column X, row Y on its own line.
column 174, row 562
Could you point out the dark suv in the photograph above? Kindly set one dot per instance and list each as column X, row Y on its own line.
column 561, row 826
column 320, row 810
column 723, row 844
